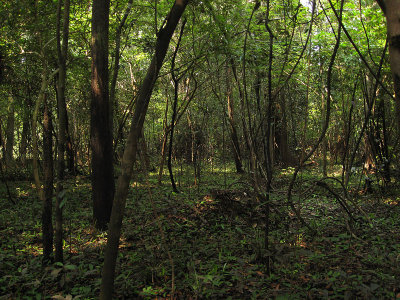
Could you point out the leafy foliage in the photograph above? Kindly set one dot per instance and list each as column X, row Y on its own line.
column 213, row 240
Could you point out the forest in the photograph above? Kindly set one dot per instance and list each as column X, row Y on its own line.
column 197, row 149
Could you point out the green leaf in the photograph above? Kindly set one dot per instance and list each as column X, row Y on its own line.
column 70, row 267
column 64, row 200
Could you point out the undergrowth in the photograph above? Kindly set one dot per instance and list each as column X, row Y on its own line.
column 208, row 242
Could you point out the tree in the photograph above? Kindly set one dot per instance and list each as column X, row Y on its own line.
column 103, row 185
column 10, row 132
column 163, row 39
column 47, row 219
column 391, row 9
column 62, row 50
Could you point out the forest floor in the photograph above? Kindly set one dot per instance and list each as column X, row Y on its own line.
column 207, row 242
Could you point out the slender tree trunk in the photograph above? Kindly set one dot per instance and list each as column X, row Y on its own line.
column 163, row 153
column 176, row 80
column 194, row 152
column 24, row 140
column 47, row 223
column 257, row 89
column 117, row 55
column 103, row 185
column 324, row 144
column 234, row 136
column 10, row 133
column 286, row 156
column 144, row 153
column 269, row 146
column 385, row 147
column 35, row 150
column 129, row 157
column 2, row 144
column 246, row 131
column 62, row 124
column 35, row 155
column 70, row 152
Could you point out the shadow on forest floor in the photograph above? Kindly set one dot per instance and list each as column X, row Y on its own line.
column 207, row 242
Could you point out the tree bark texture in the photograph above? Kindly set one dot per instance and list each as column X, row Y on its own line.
column 47, row 223
column 62, row 123
column 129, row 157
column 103, row 185
column 391, row 8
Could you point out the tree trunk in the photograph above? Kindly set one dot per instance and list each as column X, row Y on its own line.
column 144, row 153
column 385, row 147
column 175, row 80
column 284, row 150
column 129, row 157
column 2, row 145
column 103, row 185
column 24, row 139
column 62, row 123
column 47, row 223
column 391, row 8
column 10, row 133
column 234, row 136
column 35, row 154
column 35, row 150
column 163, row 154
column 70, row 151
column 113, row 102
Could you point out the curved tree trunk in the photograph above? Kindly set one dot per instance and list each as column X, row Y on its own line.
column 129, row 157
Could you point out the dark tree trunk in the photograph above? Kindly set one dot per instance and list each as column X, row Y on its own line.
column 70, row 152
column 3, row 148
column 385, row 148
column 163, row 154
column 10, row 133
column 232, row 125
column 129, row 157
column 2, row 142
column 62, row 123
column 144, row 153
column 47, row 223
column 103, row 185
column 391, row 9
column 24, row 139
column 284, row 149
column 176, row 80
